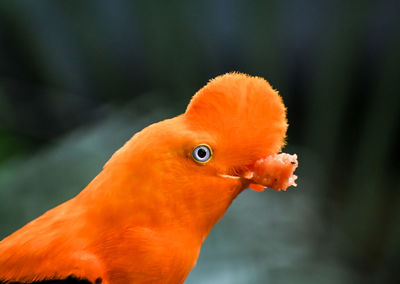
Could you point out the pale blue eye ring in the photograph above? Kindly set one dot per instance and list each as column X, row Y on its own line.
column 202, row 153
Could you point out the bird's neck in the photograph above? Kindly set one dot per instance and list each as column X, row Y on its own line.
column 126, row 201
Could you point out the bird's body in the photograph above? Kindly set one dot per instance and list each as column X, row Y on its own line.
column 144, row 217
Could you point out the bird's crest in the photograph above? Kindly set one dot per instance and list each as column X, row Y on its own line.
column 244, row 113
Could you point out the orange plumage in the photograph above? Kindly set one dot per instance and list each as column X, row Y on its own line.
column 144, row 217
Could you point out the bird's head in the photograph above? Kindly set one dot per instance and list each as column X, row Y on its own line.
column 244, row 118
column 205, row 157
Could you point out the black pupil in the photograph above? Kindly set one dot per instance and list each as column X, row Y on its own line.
column 201, row 153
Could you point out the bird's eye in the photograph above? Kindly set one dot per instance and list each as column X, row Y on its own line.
column 202, row 153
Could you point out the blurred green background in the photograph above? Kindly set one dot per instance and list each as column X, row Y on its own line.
column 78, row 78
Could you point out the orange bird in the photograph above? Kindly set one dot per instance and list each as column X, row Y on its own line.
column 145, row 216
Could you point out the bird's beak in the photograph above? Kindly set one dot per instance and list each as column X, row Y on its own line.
column 275, row 171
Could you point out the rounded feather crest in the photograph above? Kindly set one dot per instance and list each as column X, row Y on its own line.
column 244, row 114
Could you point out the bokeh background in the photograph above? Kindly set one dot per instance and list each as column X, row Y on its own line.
column 79, row 78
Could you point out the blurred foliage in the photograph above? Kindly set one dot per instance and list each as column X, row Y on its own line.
column 78, row 78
